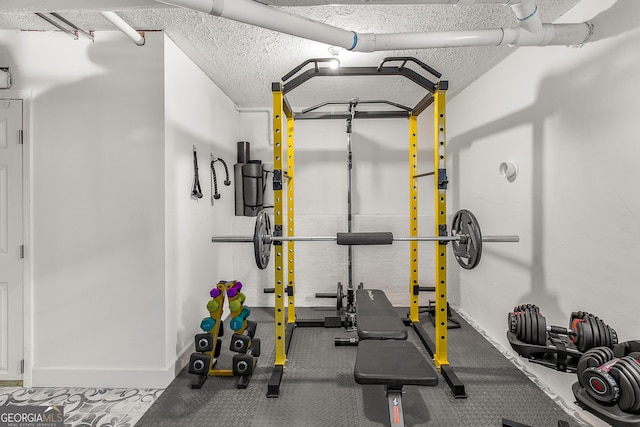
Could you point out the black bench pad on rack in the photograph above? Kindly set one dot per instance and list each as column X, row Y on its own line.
column 392, row 363
column 376, row 317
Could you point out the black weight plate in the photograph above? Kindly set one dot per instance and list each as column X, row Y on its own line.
column 261, row 248
column 527, row 327
column 519, row 325
column 621, row 375
column 533, row 327
column 523, row 325
column 634, row 377
column 597, row 338
column 601, row 331
column 468, row 251
column 542, row 330
column 584, row 336
column 607, row 334
column 339, row 297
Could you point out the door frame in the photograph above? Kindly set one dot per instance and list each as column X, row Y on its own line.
column 27, row 219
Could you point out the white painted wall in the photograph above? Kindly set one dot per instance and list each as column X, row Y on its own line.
column 197, row 113
column 122, row 260
column 98, row 201
column 568, row 117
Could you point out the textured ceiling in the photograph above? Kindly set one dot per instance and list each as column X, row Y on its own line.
column 244, row 60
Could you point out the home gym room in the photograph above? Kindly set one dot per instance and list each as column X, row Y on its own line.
column 338, row 159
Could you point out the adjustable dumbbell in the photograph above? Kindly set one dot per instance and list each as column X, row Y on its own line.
column 586, row 330
column 612, row 376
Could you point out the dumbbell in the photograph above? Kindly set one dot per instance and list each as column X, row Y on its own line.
column 586, row 330
column 199, row 363
column 207, row 324
column 243, row 363
column 213, row 305
column 612, row 376
column 241, row 343
column 204, row 343
column 239, row 322
column 235, row 304
column 233, row 290
column 215, row 292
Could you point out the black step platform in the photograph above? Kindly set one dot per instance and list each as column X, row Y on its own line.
column 393, row 363
column 376, row 317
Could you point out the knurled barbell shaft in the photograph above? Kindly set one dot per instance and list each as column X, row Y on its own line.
column 249, row 239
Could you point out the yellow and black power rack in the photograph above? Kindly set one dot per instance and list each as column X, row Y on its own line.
column 283, row 186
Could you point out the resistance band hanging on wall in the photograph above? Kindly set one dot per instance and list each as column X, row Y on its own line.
column 196, row 191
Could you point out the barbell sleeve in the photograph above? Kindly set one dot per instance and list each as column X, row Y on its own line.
column 232, row 239
column 501, row 239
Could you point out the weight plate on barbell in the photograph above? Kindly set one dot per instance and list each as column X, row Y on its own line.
column 468, row 250
column 262, row 248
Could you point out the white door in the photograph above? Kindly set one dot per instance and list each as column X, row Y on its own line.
column 11, row 240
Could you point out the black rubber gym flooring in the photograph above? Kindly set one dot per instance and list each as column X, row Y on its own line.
column 318, row 388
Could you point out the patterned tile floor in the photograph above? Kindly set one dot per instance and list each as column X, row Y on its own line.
column 87, row 407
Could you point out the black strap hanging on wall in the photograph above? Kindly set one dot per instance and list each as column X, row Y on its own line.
column 196, row 191
column 214, row 179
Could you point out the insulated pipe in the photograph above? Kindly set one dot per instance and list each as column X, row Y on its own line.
column 120, row 24
column 530, row 32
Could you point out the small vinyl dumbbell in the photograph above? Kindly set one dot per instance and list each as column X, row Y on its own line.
column 235, row 304
column 233, row 290
column 207, row 324
column 213, row 305
column 239, row 322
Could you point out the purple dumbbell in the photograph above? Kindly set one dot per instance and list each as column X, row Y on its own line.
column 215, row 293
column 233, row 291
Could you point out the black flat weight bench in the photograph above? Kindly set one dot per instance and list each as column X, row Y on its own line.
column 385, row 357
column 376, row 317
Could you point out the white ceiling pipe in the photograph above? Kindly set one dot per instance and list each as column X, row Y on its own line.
column 120, row 24
column 260, row 15
column 530, row 33
column 552, row 34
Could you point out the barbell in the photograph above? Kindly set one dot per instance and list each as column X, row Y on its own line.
column 465, row 238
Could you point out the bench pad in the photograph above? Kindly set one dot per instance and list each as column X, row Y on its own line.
column 393, row 363
column 376, row 317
